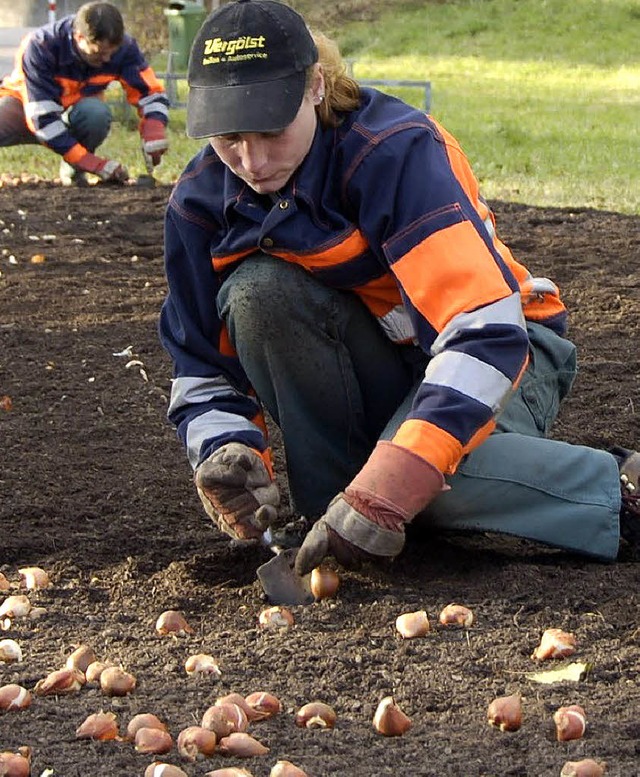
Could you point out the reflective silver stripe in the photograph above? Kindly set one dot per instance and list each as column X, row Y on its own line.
column 504, row 311
column 153, row 103
column 490, row 228
column 193, row 391
column 51, row 131
column 469, row 376
column 397, row 325
column 541, row 286
column 41, row 108
column 213, row 424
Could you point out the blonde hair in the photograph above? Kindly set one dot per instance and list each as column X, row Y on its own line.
column 341, row 92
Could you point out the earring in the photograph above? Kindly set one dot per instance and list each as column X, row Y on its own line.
column 319, row 99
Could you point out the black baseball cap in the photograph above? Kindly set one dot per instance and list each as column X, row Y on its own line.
column 247, row 69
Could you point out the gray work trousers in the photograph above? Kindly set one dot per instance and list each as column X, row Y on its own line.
column 334, row 384
column 89, row 122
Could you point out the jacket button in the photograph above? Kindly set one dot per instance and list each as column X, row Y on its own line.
column 267, row 242
column 283, row 204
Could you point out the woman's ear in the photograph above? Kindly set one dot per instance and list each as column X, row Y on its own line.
column 317, row 85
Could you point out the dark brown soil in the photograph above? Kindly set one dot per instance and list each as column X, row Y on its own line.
column 95, row 488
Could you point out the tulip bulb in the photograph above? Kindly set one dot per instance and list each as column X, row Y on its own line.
column 143, row 720
column 16, row 764
column 60, row 683
column 10, row 651
column 202, row 663
column 158, row 769
column 505, row 713
column 5, row 585
column 263, row 705
column 196, row 742
column 286, row 769
column 14, row 697
column 16, row 606
column 315, row 714
column 116, row 682
column 324, row 583
column 102, row 726
column 585, row 768
column 81, row 658
column 94, row 670
column 224, row 719
column 241, row 745
column 173, row 622
column 275, row 618
column 153, row 740
column 456, row 615
column 555, row 643
column 34, row 577
column 389, row 719
column 229, row 771
column 240, row 701
column 570, row 723
column 413, row 624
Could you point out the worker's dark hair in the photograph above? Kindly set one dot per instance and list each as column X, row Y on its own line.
column 100, row 22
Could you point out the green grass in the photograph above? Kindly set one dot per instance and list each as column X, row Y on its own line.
column 544, row 95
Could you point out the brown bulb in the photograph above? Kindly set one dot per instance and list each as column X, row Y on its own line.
column 389, row 719
column 505, row 713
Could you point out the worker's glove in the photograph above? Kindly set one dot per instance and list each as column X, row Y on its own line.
column 234, row 483
column 108, row 170
column 366, row 522
column 154, row 139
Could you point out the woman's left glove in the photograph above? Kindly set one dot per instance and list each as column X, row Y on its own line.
column 366, row 522
column 233, row 483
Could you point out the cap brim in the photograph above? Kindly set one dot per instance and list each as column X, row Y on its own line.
column 259, row 107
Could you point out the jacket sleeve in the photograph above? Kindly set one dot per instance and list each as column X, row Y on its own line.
column 141, row 85
column 42, row 99
column 212, row 402
column 463, row 301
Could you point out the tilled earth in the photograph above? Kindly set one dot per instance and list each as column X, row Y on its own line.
column 95, row 488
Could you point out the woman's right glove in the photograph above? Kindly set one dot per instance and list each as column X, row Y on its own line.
column 234, row 483
column 366, row 522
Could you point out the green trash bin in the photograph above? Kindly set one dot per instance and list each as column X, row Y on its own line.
column 184, row 18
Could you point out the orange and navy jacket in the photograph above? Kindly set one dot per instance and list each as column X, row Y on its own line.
column 387, row 207
column 49, row 76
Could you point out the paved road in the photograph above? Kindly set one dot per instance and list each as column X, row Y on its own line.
column 10, row 38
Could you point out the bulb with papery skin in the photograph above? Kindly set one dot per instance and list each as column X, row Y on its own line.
column 587, row 767
column 236, row 698
column 286, row 769
column 173, row 622
column 413, row 624
column 14, row 697
column 389, row 720
column 10, row 651
column 16, row 606
column 241, row 745
column 102, row 726
column 505, row 713
column 5, row 585
column 143, row 720
column 275, row 618
column 153, row 740
column 159, row 769
column 61, row 682
column 315, row 714
column 114, row 681
column 229, row 771
column 570, row 723
column 81, row 658
column 456, row 615
column 324, row 583
column 555, row 643
column 34, row 577
column 16, row 764
column 196, row 742
column 264, row 705
column 202, row 663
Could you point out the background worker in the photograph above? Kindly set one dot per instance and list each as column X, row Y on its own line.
column 329, row 257
column 55, row 94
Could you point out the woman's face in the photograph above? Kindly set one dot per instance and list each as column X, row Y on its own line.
column 266, row 160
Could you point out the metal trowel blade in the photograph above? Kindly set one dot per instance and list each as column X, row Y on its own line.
column 280, row 581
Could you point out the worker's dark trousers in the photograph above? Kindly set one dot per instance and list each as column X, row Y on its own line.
column 88, row 121
column 335, row 384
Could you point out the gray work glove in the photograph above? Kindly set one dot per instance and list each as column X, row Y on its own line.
column 233, row 484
